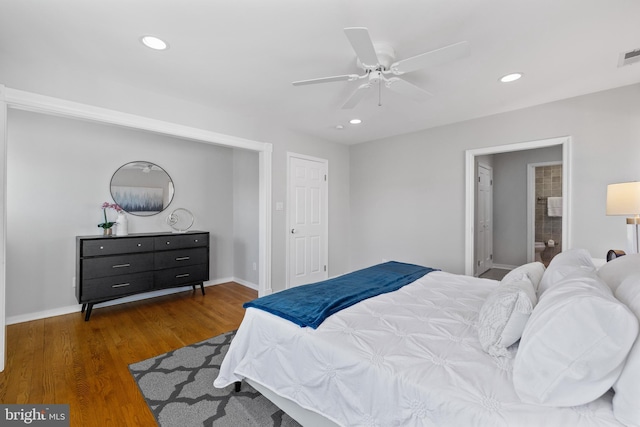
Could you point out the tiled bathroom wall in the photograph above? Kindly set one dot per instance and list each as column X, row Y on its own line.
column 548, row 184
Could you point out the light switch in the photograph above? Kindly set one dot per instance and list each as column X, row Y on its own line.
column 279, row 206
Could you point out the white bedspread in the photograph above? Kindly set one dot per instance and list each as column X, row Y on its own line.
column 406, row 358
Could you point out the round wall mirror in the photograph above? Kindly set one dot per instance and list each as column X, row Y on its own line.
column 142, row 188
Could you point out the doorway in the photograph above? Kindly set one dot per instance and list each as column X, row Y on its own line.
column 307, row 219
column 544, row 219
column 470, row 190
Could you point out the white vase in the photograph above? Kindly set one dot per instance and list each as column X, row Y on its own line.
column 122, row 226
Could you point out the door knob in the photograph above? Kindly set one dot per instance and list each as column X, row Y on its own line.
column 293, row 231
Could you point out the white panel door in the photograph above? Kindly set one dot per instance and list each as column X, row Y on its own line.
column 484, row 215
column 308, row 225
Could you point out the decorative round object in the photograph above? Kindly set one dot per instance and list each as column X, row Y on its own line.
column 142, row 188
column 180, row 220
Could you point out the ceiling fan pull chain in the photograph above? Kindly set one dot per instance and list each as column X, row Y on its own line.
column 380, row 92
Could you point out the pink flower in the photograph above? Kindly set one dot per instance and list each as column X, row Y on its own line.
column 105, row 206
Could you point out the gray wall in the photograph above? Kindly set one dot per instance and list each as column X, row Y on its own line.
column 102, row 157
column 58, row 176
column 397, row 198
column 245, row 217
column 510, row 202
column 408, row 192
column 338, row 180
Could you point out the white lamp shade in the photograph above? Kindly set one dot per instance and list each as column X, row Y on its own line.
column 623, row 198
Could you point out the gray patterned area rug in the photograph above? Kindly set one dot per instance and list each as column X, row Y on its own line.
column 178, row 387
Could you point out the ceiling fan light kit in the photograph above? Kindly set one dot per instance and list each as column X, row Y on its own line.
column 377, row 62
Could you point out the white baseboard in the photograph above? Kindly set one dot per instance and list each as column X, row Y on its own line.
column 77, row 307
column 247, row 284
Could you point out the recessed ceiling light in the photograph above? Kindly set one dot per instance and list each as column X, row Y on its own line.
column 355, row 121
column 339, row 127
column 511, row 77
column 154, row 43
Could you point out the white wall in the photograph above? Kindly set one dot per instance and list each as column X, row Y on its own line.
column 407, row 192
column 58, row 176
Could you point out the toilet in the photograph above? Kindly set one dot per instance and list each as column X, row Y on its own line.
column 539, row 247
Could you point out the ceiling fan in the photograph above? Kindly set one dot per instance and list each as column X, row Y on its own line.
column 380, row 68
column 143, row 166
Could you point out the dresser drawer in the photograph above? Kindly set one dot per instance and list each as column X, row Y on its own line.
column 107, row 287
column 182, row 275
column 180, row 241
column 116, row 245
column 116, row 265
column 180, row 258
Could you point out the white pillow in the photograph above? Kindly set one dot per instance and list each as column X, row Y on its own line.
column 615, row 271
column 534, row 270
column 626, row 401
column 504, row 314
column 575, row 343
column 564, row 264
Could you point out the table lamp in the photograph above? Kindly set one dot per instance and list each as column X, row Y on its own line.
column 624, row 199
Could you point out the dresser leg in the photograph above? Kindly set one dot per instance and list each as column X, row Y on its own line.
column 84, row 306
column 201, row 288
column 88, row 313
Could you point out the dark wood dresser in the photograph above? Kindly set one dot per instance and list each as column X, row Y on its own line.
column 110, row 267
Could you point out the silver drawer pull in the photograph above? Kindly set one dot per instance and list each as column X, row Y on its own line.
column 121, row 265
column 195, row 240
column 182, row 258
column 101, row 247
column 121, row 285
column 139, row 244
column 168, row 243
column 182, row 275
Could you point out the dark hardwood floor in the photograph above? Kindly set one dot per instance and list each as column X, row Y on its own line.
column 64, row 359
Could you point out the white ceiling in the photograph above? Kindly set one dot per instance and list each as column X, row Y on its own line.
column 244, row 54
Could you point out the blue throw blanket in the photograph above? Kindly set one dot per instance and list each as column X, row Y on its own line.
column 310, row 305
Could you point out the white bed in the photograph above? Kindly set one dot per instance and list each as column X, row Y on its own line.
column 406, row 358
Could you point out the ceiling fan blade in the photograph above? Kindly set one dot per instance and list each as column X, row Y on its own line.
column 362, row 45
column 405, row 88
column 345, row 77
column 429, row 59
column 357, row 96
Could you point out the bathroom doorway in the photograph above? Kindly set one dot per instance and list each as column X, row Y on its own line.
column 544, row 217
column 519, row 200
